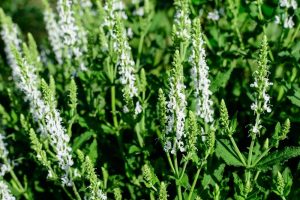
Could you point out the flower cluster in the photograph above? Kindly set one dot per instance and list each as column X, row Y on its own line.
column 113, row 9
column 182, row 22
column 5, row 193
column 288, row 4
column 214, row 15
column 67, row 39
column 126, row 65
column 199, row 74
column 67, row 22
column 25, row 78
column 27, row 81
column 4, row 167
column 261, row 85
column 176, row 108
column 9, row 34
column 54, row 33
column 285, row 18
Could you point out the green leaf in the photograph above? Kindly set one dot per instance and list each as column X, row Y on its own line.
column 278, row 157
column 81, row 139
column 221, row 79
column 184, row 182
column 226, row 152
column 295, row 100
column 93, row 154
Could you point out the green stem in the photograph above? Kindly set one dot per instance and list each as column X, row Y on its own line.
column 20, row 187
column 179, row 192
column 113, row 105
column 171, row 163
column 183, row 170
column 195, row 182
column 176, row 165
column 68, row 193
column 240, row 37
column 261, row 156
column 140, row 139
column 237, row 150
column 294, row 35
column 76, row 192
column 140, row 49
column 251, row 151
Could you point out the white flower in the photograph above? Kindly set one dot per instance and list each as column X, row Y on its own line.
column 167, row 146
column 214, row 15
column 288, row 22
column 125, row 109
column 176, row 107
column 277, row 19
column 200, row 81
column 139, row 12
column 294, row 4
column 138, row 108
column 3, row 149
column 27, row 82
column 129, row 33
column 182, row 22
column 288, row 4
column 284, row 3
column 54, row 34
column 66, row 181
column 4, row 168
column 254, row 106
column 135, row 1
column 74, row 38
column 5, row 193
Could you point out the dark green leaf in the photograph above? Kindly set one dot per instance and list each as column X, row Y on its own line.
column 278, row 157
column 226, row 152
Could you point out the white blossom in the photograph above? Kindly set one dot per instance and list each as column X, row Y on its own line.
column 200, row 80
column 139, row 12
column 98, row 195
column 261, row 86
column 214, row 15
column 54, row 34
column 73, row 36
column 182, row 22
column 288, row 4
column 138, row 108
column 288, row 22
column 113, row 9
column 176, row 109
column 5, row 193
column 277, row 19
column 26, row 81
column 3, row 149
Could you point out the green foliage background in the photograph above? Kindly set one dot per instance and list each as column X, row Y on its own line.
column 231, row 66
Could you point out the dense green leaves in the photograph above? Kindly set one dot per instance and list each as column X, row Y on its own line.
column 278, row 157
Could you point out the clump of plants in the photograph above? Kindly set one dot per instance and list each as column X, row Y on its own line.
column 149, row 99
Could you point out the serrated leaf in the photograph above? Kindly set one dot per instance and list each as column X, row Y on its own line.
column 226, row 152
column 294, row 100
column 81, row 139
column 278, row 157
column 221, row 79
column 93, row 153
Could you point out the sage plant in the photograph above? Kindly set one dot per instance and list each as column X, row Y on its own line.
column 117, row 99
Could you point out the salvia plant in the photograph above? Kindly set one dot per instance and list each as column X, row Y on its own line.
column 149, row 99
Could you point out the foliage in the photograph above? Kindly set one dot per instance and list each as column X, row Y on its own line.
column 149, row 99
